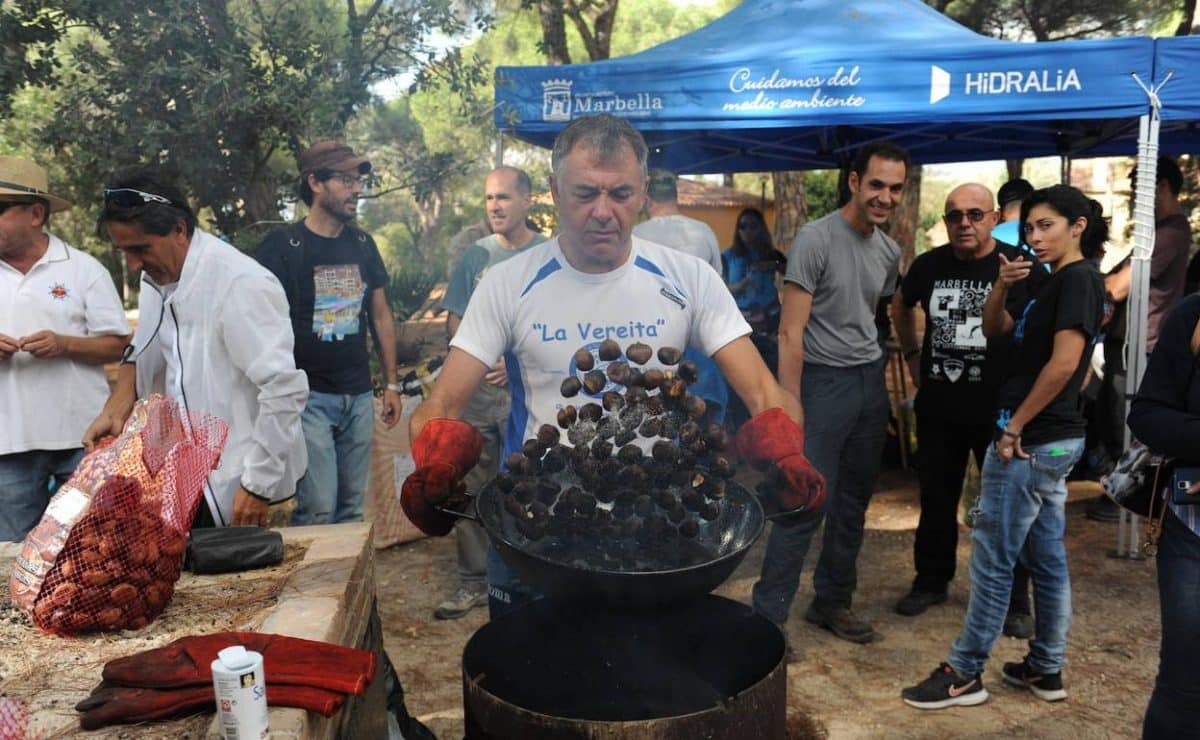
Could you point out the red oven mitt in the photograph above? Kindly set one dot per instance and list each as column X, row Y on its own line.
column 773, row 438
column 444, row 452
column 287, row 661
column 124, row 705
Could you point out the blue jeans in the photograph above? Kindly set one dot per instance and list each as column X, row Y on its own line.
column 845, row 424
column 25, row 487
column 1174, row 710
column 1020, row 515
column 506, row 591
column 487, row 411
column 337, row 433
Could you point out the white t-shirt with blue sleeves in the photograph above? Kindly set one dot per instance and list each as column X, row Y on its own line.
column 536, row 310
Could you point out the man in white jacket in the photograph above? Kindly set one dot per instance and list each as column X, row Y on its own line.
column 213, row 331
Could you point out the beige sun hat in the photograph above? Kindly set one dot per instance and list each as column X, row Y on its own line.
column 23, row 177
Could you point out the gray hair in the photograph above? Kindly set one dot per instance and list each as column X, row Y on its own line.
column 603, row 134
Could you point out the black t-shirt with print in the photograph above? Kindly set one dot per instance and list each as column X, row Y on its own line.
column 328, row 282
column 1073, row 298
column 960, row 369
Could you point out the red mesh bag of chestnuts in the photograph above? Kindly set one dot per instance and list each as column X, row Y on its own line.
column 108, row 551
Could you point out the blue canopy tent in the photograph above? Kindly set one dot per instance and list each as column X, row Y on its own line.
column 800, row 84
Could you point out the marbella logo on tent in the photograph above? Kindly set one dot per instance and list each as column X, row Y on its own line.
column 560, row 104
column 1004, row 83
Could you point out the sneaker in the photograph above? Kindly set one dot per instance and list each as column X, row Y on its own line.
column 945, row 688
column 916, row 602
column 842, row 622
column 1045, row 686
column 463, row 601
column 1019, row 625
column 1102, row 509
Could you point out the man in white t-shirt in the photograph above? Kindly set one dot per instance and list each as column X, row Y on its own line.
column 666, row 225
column 60, row 320
column 592, row 282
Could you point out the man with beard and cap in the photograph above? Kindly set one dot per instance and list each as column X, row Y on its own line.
column 60, row 320
column 507, row 199
column 595, row 281
column 830, row 355
column 957, row 372
column 335, row 283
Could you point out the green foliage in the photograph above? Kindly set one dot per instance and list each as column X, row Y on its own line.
column 1052, row 20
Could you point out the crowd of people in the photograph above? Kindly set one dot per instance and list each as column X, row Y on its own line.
column 790, row 348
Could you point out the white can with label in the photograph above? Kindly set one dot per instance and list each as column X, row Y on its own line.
column 241, row 692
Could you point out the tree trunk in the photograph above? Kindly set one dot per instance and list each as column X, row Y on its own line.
column 1015, row 167
column 554, row 32
column 791, row 207
column 908, row 217
column 1188, row 22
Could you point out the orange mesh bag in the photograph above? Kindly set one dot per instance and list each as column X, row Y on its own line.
column 108, row 551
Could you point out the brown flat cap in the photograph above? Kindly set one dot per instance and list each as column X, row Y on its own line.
column 331, row 155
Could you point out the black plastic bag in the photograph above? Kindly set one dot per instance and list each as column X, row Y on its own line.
column 229, row 549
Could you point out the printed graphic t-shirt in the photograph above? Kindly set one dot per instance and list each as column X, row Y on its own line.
column 1072, row 298
column 535, row 310
column 961, row 370
column 328, row 282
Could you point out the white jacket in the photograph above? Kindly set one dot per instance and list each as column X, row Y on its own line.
column 233, row 359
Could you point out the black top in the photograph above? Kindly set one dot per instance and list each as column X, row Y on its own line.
column 960, row 369
column 328, row 284
column 1165, row 414
column 1072, row 298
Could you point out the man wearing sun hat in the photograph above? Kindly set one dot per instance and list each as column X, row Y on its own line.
column 60, row 320
column 335, row 282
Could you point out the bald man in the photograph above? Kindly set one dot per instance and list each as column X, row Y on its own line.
column 958, row 373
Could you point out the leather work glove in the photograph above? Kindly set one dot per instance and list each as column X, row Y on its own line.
column 124, row 705
column 288, row 661
column 444, row 452
column 772, row 440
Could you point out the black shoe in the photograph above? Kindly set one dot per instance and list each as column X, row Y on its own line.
column 842, row 622
column 1018, row 624
column 1046, row 686
column 945, row 688
column 916, row 602
column 1102, row 509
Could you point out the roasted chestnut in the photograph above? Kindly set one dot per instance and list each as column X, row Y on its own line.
column 590, row 412
column 639, row 353
column 612, row 401
column 609, row 350
column 630, row 454
column 594, row 381
column 625, row 436
column 602, row 449
column 607, row 427
column 665, row 451
column 567, row 416
column 669, row 355
column 636, row 394
column 618, row 372
column 689, row 527
column 650, row 427
column 547, row 435
column 532, row 449
column 584, row 360
column 688, row 372
column 653, row 378
column 570, row 387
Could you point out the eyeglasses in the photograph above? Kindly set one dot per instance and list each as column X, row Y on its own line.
column 132, row 198
column 345, row 178
column 975, row 215
column 6, row 204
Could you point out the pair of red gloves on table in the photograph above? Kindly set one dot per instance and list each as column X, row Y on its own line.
column 447, row 449
column 176, row 679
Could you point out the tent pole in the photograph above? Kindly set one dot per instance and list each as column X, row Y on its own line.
column 1139, row 293
column 1064, row 173
column 498, row 157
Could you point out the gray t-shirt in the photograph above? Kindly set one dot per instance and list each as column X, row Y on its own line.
column 479, row 257
column 847, row 274
column 685, row 234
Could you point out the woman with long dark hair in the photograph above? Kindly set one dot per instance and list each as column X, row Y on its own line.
column 1165, row 416
column 1038, row 438
column 750, row 267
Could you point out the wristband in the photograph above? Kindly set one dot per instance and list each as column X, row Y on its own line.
column 395, row 387
column 1007, row 433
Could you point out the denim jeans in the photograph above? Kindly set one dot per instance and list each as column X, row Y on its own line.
column 845, row 424
column 487, row 411
column 506, row 591
column 25, row 487
column 337, row 433
column 1174, row 710
column 1020, row 514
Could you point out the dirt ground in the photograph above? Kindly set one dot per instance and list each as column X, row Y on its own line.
column 847, row 690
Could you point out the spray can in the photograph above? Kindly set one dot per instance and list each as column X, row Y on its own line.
column 241, row 692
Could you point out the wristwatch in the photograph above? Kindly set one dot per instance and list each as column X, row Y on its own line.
column 395, row 387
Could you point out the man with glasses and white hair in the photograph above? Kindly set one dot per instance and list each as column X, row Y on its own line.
column 335, row 283
column 957, row 372
column 60, row 320
column 213, row 332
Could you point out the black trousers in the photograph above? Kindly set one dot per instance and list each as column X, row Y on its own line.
column 943, row 446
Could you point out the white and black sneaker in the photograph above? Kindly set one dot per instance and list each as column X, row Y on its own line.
column 946, row 688
column 1045, row 686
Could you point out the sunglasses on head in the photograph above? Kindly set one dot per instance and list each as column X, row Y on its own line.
column 6, row 204
column 132, row 198
column 975, row 215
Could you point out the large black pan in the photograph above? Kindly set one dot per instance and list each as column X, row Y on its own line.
column 716, row 551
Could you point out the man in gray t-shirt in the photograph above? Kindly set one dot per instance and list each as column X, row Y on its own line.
column 666, row 225
column 830, row 355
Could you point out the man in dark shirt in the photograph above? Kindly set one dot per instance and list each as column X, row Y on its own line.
column 958, row 374
column 335, row 279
